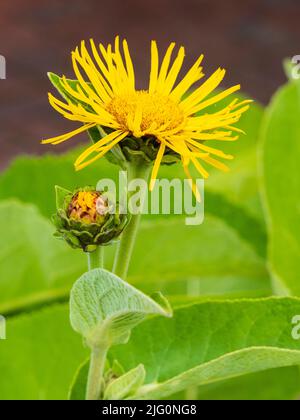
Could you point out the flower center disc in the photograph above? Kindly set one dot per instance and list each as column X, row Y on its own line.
column 87, row 207
column 145, row 113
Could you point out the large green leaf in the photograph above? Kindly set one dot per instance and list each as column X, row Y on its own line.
column 211, row 259
column 40, row 356
column 213, row 341
column 281, row 185
column 48, row 171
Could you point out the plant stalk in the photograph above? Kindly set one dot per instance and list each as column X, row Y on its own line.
column 96, row 258
column 95, row 377
column 98, row 355
column 126, row 244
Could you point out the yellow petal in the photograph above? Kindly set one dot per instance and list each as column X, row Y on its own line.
column 102, row 147
column 64, row 137
column 156, row 166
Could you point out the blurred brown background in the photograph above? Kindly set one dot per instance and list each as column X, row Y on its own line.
column 248, row 37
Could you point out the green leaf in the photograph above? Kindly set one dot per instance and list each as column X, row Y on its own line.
column 210, row 259
column 280, row 157
column 40, row 356
column 35, row 268
column 48, row 171
column 78, row 387
column 104, row 308
column 210, row 342
column 57, row 83
column 275, row 384
column 60, row 196
column 126, row 385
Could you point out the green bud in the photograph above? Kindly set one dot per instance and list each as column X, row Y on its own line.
column 86, row 218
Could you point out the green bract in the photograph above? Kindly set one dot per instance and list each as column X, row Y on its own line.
column 79, row 233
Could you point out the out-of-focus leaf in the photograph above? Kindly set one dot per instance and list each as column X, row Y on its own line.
column 78, row 387
column 34, row 266
column 209, row 259
column 280, row 158
column 275, row 384
column 40, row 355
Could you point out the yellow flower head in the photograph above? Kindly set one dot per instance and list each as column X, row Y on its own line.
column 105, row 96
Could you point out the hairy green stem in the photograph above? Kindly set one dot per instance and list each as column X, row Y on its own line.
column 126, row 244
column 95, row 377
column 96, row 258
column 98, row 355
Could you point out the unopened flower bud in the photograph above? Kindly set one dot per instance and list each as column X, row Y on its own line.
column 85, row 218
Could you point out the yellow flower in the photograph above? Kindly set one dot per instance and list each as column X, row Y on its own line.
column 106, row 96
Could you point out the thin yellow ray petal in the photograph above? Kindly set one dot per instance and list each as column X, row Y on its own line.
column 99, row 110
column 95, row 74
column 174, row 71
column 178, row 146
column 217, row 135
column 107, row 55
column 79, row 94
column 122, row 73
column 76, row 59
column 213, row 100
column 164, row 67
column 154, row 67
column 192, row 183
column 204, row 90
column 216, row 164
column 238, row 130
column 80, row 164
column 129, row 65
column 136, row 127
column 208, row 149
column 67, row 110
column 199, row 167
column 192, row 76
column 98, row 146
column 102, row 67
column 157, row 163
column 210, row 121
column 245, row 102
column 67, row 136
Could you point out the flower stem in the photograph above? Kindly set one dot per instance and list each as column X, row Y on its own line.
column 96, row 370
column 126, row 244
column 96, row 258
column 98, row 355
